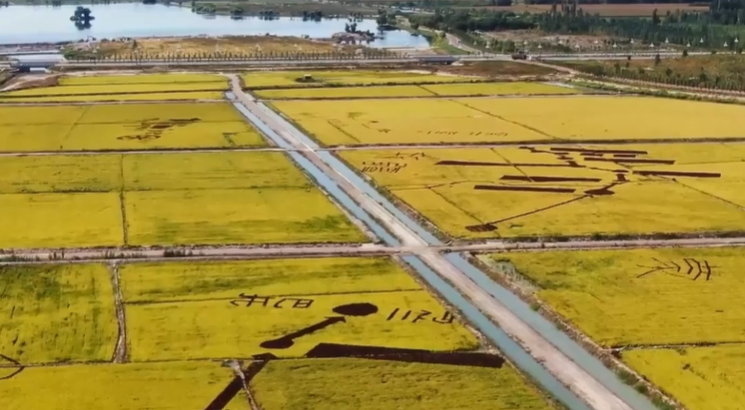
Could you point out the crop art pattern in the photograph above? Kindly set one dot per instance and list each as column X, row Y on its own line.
column 567, row 190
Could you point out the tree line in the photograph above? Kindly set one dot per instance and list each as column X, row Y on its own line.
column 721, row 27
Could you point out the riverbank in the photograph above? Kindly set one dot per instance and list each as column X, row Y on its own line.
column 175, row 46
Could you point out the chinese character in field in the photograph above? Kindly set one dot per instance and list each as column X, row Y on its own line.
column 297, row 303
column 251, row 300
column 447, row 318
column 398, row 314
column 263, row 301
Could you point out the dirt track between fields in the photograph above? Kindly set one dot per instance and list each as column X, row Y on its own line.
column 22, row 256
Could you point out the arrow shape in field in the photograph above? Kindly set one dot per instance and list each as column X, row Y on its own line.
column 287, row 341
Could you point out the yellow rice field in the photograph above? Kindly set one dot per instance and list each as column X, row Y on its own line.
column 581, row 119
column 63, row 315
column 162, row 386
column 675, row 312
column 415, row 386
column 150, row 199
column 506, row 88
column 287, row 79
column 124, row 127
column 60, row 220
column 72, row 90
column 460, row 90
column 345, row 92
column 589, row 287
column 177, row 96
column 188, row 318
column 553, row 191
column 56, row 313
column 701, row 378
column 170, row 78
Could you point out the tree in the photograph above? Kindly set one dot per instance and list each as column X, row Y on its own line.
column 685, row 53
column 382, row 19
column 657, row 59
column 668, row 72
column 655, row 18
column 702, row 77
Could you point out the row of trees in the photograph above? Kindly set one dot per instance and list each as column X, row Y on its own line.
column 703, row 79
column 683, row 28
column 465, row 20
column 231, row 56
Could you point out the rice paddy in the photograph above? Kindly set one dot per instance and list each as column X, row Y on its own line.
column 436, row 90
column 153, row 87
column 513, row 120
column 527, row 161
column 305, row 319
column 124, row 127
column 158, row 96
column 565, row 191
column 163, row 199
column 289, row 79
column 674, row 313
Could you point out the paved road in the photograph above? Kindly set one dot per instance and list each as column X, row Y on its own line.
column 475, row 56
column 568, row 372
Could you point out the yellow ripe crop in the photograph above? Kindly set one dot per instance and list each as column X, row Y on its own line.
column 552, row 191
column 415, row 91
column 142, row 79
column 157, row 282
column 174, row 198
column 287, row 79
column 516, row 88
column 400, row 121
column 186, row 315
column 177, row 96
column 116, row 89
column 56, row 313
column 591, row 287
column 345, row 92
column 701, row 378
column 316, row 385
column 60, row 173
column 162, row 386
column 60, row 220
column 209, row 170
column 235, row 216
column 614, row 118
column 409, row 121
column 131, row 126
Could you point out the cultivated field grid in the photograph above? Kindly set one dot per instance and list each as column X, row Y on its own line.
column 515, row 161
column 297, row 328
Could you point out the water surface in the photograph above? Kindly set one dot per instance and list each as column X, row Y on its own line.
column 35, row 24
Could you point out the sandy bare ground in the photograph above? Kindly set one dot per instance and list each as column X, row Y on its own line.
column 28, row 81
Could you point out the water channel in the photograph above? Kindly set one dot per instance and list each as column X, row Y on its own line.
column 37, row 24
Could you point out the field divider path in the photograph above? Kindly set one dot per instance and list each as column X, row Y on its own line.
column 569, row 373
column 123, row 203
column 107, row 255
column 120, row 353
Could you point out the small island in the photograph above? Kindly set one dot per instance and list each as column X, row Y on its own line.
column 82, row 15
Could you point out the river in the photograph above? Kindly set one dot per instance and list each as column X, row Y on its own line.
column 37, row 24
